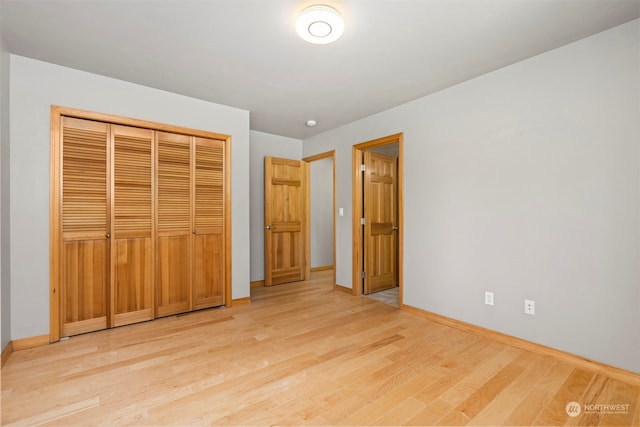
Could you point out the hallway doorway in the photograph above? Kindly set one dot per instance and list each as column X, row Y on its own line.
column 378, row 216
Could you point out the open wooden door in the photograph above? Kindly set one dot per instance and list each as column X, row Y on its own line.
column 284, row 220
column 380, row 216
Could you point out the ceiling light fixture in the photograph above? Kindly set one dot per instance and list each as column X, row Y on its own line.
column 320, row 24
column 311, row 123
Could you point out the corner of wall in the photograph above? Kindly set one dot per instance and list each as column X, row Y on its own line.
column 5, row 256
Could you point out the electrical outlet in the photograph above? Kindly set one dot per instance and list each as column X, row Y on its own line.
column 530, row 306
column 488, row 298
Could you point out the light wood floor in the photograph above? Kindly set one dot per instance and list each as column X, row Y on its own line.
column 300, row 354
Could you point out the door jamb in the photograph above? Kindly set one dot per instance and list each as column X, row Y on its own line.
column 358, row 255
column 307, row 253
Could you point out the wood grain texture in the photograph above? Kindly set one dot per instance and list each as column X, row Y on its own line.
column 299, row 354
column 241, row 301
column 174, row 223
column 357, row 252
column 85, row 225
column 582, row 362
column 132, row 251
column 7, row 351
column 55, row 227
column 321, row 268
column 380, row 213
column 209, row 220
column 105, row 180
column 30, row 342
column 256, row 283
column 285, row 214
column 341, row 288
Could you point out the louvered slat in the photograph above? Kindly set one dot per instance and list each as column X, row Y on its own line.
column 132, row 256
column 174, row 182
column 132, row 179
column 209, row 182
column 85, row 223
column 84, row 172
column 173, row 274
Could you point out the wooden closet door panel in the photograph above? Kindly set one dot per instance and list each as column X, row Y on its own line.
column 85, row 226
column 133, row 278
column 132, row 256
column 173, row 292
column 174, row 220
column 208, row 252
column 85, row 292
column 208, row 271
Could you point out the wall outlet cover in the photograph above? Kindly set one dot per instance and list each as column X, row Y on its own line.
column 488, row 298
column 530, row 306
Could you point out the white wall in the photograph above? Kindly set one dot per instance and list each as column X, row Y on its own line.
column 321, row 212
column 35, row 86
column 264, row 144
column 524, row 182
column 5, row 258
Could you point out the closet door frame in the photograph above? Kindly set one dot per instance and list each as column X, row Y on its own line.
column 55, row 212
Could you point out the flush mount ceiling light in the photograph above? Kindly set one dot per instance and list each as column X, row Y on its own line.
column 320, row 24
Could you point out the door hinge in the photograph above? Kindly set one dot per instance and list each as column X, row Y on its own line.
column 363, row 275
column 362, row 167
column 362, row 222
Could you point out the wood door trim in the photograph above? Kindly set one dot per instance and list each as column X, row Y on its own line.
column 55, row 227
column 8, row 350
column 326, row 155
column 357, row 255
column 267, row 219
column 55, row 204
column 228, row 266
column 128, row 121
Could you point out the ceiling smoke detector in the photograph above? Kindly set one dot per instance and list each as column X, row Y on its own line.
column 320, row 24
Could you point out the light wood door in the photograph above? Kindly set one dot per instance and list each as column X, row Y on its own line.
column 208, row 236
column 174, row 220
column 380, row 250
column 132, row 225
column 85, row 226
column 285, row 214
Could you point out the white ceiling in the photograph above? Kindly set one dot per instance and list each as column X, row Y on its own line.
column 246, row 54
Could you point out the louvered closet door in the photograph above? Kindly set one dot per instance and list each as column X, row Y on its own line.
column 85, row 226
column 173, row 244
column 132, row 242
column 208, row 244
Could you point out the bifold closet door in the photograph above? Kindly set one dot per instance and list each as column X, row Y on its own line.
column 174, row 220
column 208, row 239
column 85, row 226
column 132, row 239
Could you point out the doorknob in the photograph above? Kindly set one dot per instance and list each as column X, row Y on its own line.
column 108, row 235
column 193, row 232
column 395, row 228
column 267, row 227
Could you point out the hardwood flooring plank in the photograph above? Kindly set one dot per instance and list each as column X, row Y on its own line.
column 299, row 354
column 498, row 409
column 571, row 391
